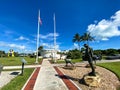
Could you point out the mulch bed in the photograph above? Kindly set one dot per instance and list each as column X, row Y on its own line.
column 109, row 80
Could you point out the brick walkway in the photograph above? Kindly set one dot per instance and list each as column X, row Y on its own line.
column 48, row 77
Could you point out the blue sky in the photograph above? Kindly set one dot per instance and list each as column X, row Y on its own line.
column 18, row 23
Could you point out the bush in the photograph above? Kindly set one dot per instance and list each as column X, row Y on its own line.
column 74, row 54
column 32, row 56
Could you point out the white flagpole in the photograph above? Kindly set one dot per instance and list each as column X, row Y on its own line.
column 54, row 38
column 37, row 37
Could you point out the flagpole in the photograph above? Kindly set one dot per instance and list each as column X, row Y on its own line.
column 37, row 38
column 54, row 38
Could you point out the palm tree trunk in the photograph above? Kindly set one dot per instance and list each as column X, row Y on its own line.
column 79, row 45
column 87, row 42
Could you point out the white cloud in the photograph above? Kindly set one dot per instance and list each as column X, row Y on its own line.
column 16, row 46
column 48, row 36
column 106, row 29
column 22, row 38
column 12, row 45
column 49, row 46
column 46, row 45
column 28, row 51
column 76, row 45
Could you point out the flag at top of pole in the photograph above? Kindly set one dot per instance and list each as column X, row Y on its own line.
column 39, row 19
column 38, row 30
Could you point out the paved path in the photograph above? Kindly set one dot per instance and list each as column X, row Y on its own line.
column 7, row 76
column 19, row 67
column 47, row 79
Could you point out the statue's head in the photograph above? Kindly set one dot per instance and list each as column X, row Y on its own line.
column 85, row 45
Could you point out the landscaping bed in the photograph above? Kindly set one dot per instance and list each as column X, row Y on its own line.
column 109, row 81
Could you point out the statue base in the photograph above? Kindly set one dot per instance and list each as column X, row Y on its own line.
column 93, row 81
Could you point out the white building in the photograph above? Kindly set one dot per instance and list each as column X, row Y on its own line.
column 51, row 54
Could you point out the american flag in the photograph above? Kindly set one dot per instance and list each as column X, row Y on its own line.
column 39, row 19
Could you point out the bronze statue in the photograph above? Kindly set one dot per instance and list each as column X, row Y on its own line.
column 89, row 56
column 67, row 61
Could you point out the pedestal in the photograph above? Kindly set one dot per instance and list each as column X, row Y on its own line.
column 92, row 80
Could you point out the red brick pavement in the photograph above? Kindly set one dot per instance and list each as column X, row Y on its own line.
column 68, row 83
column 31, row 82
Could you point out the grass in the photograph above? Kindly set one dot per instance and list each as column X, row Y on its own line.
column 18, row 82
column 63, row 61
column 112, row 66
column 14, row 61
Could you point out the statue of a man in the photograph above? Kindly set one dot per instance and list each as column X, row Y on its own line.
column 88, row 56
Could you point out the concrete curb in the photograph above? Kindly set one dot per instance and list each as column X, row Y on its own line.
column 69, row 83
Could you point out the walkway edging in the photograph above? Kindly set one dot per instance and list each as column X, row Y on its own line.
column 29, row 80
column 73, row 85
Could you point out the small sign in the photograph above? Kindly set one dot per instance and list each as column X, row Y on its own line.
column 23, row 61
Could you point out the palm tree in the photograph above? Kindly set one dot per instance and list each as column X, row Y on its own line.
column 40, row 49
column 77, row 38
column 87, row 37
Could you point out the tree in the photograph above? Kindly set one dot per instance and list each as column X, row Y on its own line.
column 39, row 50
column 87, row 37
column 111, row 52
column 2, row 53
column 77, row 38
column 74, row 54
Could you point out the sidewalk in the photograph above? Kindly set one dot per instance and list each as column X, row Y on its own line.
column 19, row 67
column 47, row 79
column 7, row 76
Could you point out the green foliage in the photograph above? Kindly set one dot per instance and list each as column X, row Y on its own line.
column 18, row 82
column 111, row 51
column 113, row 66
column 77, row 38
column 39, row 50
column 16, row 54
column 2, row 53
column 108, row 52
column 97, row 52
column 74, row 54
column 118, row 50
column 87, row 37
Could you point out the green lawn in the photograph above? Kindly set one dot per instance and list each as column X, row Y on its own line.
column 63, row 61
column 18, row 82
column 113, row 66
column 14, row 61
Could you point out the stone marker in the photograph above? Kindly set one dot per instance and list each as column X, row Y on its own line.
column 92, row 80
